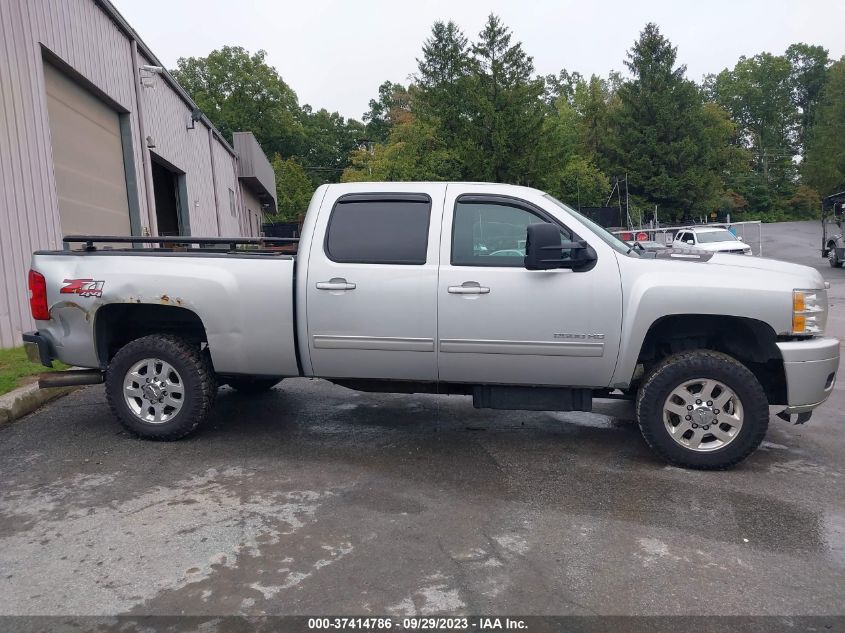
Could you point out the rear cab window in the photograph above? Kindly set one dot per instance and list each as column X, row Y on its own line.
column 379, row 229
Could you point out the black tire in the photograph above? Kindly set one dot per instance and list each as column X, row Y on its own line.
column 689, row 366
column 197, row 376
column 252, row 384
column 832, row 257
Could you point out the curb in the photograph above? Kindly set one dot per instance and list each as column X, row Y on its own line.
column 26, row 399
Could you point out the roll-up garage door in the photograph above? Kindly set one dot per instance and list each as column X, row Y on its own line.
column 87, row 159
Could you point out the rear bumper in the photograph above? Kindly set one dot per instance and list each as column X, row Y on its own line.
column 810, row 368
column 38, row 349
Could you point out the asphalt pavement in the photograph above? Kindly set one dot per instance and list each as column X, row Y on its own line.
column 315, row 499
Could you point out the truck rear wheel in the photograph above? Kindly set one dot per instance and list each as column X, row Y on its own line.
column 702, row 409
column 161, row 387
column 252, row 384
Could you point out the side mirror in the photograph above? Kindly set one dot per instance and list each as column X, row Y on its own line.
column 740, row 239
column 544, row 250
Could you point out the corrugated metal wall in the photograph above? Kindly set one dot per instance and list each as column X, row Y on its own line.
column 166, row 119
column 82, row 36
column 252, row 212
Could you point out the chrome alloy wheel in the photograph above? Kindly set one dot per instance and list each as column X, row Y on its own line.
column 703, row 415
column 153, row 390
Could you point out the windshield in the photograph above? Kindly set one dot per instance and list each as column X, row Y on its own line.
column 708, row 237
column 603, row 234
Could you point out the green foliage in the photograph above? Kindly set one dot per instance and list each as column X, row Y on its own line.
column 809, row 73
column 664, row 138
column 805, row 203
column 758, row 94
column 16, row 369
column 391, row 107
column 477, row 111
column 443, row 74
column 506, row 109
column 824, row 166
column 561, row 86
column 733, row 203
column 241, row 92
column 293, row 188
column 330, row 139
column 579, row 184
column 413, row 152
column 593, row 100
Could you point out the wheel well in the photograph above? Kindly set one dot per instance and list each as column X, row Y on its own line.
column 118, row 324
column 752, row 342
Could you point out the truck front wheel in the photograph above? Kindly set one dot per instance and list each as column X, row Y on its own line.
column 160, row 387
column 702, row 409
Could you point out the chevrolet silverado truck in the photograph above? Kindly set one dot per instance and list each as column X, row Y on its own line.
column 492, row 291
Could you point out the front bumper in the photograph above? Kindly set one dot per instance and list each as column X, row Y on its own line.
column 810, row 369
column 37, row 349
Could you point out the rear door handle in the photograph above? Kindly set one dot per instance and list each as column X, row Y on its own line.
column 469, row 288
column 337, row 283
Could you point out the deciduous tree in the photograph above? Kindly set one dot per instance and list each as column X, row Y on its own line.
column 809, row 72
column 293, row 188
column 758, row 94
column 824, row 167
column 239, row 91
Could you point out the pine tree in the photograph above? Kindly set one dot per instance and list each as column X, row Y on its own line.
column 660, row 128
column 507, row 108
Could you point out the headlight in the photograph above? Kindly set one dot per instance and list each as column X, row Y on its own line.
column 809, row 311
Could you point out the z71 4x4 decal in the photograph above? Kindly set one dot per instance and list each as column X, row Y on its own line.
column 83, row 287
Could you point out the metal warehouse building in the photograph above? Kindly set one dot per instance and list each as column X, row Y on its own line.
column 95, row 137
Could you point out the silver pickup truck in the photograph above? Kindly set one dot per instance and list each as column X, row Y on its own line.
column 492, row 291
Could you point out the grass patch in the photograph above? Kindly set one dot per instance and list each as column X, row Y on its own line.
column 16, row 370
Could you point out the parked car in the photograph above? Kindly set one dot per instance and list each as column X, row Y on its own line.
column 712, row 239
column 493, row 291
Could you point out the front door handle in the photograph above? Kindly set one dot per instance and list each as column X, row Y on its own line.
column 469, row 288
column 336, row 283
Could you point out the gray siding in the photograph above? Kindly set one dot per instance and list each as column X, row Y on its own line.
column 253, row 217
column 83, row 39
column 166, row 119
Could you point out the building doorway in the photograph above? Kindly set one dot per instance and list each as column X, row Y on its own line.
column 168, row 189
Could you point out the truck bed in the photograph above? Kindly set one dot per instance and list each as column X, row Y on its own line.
column 244, row 299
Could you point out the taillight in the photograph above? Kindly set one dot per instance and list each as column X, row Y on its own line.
column 38, row 296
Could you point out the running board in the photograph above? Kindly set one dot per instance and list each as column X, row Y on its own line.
column 532, row 398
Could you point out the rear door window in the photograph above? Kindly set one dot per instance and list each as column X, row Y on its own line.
column 379, row 229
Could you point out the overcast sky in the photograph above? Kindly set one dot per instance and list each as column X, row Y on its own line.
column 335, row 54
